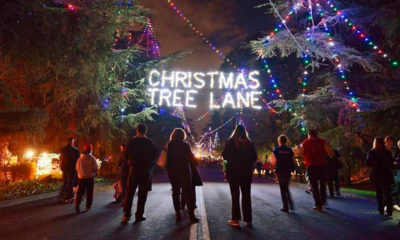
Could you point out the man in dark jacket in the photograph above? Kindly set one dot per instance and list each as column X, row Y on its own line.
column 68, row 157
column 141, row 154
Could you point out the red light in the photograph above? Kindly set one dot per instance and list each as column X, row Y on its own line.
column 380, row 51
column 71, row 7
column 353, row 28
column 362, row 35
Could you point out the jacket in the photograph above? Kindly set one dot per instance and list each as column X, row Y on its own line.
column 68, row 157
column 240, row 160
column 314, row 152
column 86, row 166
column 284, row 159
column 141, row 153
column 381, row 165
column 179, row 158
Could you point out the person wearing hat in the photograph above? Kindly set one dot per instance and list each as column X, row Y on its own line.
column 86, row 167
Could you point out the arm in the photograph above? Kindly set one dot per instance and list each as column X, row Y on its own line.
column 94, row 164
column 329, row 150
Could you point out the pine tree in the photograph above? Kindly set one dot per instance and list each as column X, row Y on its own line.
column 69, row 70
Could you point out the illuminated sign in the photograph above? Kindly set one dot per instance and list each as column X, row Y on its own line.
column 180, row 89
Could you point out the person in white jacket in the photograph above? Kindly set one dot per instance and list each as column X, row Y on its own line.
column 86, row 168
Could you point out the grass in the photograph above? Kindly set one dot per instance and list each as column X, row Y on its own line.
column 27, row 188
column 359, row 191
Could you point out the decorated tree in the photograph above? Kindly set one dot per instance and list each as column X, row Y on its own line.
column 58, row 58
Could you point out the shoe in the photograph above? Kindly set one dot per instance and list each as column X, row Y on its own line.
column 316, row 208
column 140, row 219
column 307, row 191
column 88, row 208
column 125, row 219
column 69, row 200
column 234, row 223
column 77, row 209
column 381, row 211
column 284, row 210
column 194, row 220
column 396, row 207
column 338, row 194
column 249, row 224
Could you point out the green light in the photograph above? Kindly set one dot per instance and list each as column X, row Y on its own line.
column 275, row 86
column 395, row 63
column 343, row 76
column 304, row 83
column 334, row 9
column 276, row 29
column 371, row 43
column 309, row 18
column 303, row 129
column 306, row 62
column 350, row 23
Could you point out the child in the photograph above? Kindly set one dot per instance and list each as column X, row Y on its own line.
column 86, row 168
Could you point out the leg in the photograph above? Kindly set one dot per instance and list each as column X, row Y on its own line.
column 130, row 193
column 322, row 180
column 235, row 194
column 68, row 185
column 388, row 198
column 379, row 197
column 176, row 195
column 313, row 177
column 288, row 193
column 79, row 193
column 337, row 183
column 283, row 188
column 142, row 194
column 329, row 180
column 395, row 187
column 89, row 192
column 246, row 201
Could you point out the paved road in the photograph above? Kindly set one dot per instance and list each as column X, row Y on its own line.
column 345, row 218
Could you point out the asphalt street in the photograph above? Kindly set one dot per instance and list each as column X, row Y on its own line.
column 344, row 218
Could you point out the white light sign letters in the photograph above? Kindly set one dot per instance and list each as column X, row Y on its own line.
column 179, row 89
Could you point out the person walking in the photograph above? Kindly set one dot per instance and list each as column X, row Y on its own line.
column 259, row 167
column 284, row 166
column 141, row 154
column 179, row 160
column 240, row 154
column 86, row 168
column 392, row 148
column 380, row 161
column 120, row 185
column 315, row 152
column 334, row 164
column 68, row 157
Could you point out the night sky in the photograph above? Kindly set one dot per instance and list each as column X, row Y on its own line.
column 226, row 22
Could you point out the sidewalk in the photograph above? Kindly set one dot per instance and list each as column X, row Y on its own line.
column 30, row 199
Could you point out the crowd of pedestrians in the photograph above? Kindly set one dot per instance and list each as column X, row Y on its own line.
column 140, row 154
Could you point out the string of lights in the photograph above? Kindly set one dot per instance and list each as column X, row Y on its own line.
column 362, row 35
